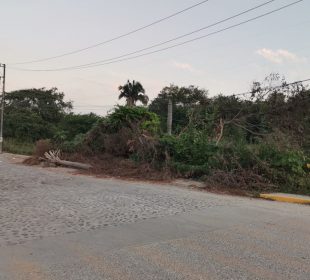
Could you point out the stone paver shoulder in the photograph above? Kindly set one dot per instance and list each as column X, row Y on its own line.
column 35, row 203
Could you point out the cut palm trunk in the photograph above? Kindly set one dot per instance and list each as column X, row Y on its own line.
column 53, row 157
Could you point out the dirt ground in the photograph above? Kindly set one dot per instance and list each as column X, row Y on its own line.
column 108, row 166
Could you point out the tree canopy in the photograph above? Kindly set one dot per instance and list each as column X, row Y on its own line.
column 184, row 98
column 259, row 140
column 133, row 92
column 31, row 114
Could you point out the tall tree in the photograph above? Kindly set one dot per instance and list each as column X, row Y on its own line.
column 31, row 114
column 183, row 98
column 133, row 92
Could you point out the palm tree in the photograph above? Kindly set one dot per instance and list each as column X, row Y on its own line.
column 133, row 92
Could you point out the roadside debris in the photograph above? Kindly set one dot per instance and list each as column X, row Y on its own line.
column 53, row 158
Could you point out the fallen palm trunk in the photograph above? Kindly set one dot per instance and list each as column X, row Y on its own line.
column 53, row 157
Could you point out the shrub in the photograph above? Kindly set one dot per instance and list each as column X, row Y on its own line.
column 125, row 125
column 191, row 153
column 192, row 147
column 73, row 125
column 290, row 161
column 74, row 145
column 124, row 116
column 261, row 166
column 15, row 146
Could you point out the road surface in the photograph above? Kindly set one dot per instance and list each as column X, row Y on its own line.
column 56, row 226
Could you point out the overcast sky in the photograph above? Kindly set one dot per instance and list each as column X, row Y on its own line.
column 224, row 63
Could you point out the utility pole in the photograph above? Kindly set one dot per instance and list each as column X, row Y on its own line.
column 3, row 66
column 169, row 116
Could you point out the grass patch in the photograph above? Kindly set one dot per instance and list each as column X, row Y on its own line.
column 15, row 146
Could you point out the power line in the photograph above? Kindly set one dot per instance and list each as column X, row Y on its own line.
column 176, row 38
column 168, row 41
column 97, row 64
column 115, row 38
column 185, row 42
column 276, row 87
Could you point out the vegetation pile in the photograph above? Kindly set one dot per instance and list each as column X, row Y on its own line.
column 248, row 143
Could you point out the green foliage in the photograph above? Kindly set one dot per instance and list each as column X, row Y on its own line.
column 18, row 147
column 133, row 92
column 33, row 114
column 119, row 127
column 292, row 161
column 73, row 145
column 72, row 125
column 194, row 148
column 26, row 125
column 287, row 168
column 263, row 139
column 247, row 144
column 194, row 155
column 49, row 104
column 124, row 116
column 184, row 99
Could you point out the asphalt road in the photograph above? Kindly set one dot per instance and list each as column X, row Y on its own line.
column 61, row 226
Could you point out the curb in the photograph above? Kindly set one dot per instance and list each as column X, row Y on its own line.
column 286, row 198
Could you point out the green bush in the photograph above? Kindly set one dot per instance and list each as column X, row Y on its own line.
column 124, row 125
column 124, row 116
column 192, row 147
column 286, row 168
column 26, row 126
column 73, row 125
column 197, row 151
column 234, row 155
column 74, row 145
column 33, row 114
column 193, row 154
column 289, row 161
column 15, row 146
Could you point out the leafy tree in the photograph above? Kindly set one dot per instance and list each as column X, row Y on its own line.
column 49, row 104
column 115, row 133
column 133, row 92
column 25, row 126
column 286, row 107
column 31, row 114
column 128, row 117
column 184, row 99
column 75, row 124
